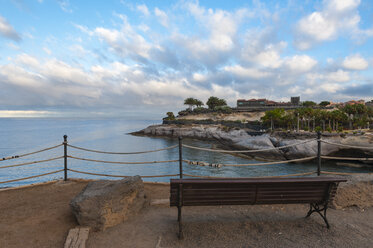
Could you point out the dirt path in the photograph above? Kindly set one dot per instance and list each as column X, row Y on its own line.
column 40, row 217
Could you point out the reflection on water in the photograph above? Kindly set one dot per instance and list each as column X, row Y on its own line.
column 18, row 136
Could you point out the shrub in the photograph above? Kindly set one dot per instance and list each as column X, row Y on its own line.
column 340, row 129
column 329, row 129
column 223, row 109
column 318, row 129
column 200, row 110
column 170, row 116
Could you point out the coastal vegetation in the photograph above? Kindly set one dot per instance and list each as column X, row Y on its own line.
column 309, row 117
column 351, row 117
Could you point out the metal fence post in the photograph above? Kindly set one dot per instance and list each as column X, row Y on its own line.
column 65, row 156
column 318, row 153
column 180, row 157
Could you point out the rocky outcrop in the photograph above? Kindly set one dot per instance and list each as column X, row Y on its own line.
column 106, row 203
column 357, row 191
column 241, row 140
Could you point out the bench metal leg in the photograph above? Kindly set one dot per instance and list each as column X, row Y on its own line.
column 181, row 236
column 316, row 208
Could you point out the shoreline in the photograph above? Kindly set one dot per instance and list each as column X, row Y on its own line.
column 240, row 139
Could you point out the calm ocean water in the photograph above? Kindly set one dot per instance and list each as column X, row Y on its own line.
column 21, row 135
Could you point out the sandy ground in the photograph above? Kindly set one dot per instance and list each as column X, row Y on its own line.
column 40, row 216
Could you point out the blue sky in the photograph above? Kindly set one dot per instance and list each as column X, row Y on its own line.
column 132, row 58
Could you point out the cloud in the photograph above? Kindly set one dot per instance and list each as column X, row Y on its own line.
column 336, row 18
column 300, row 63
column 242, row 72
column 162, row 17
column 65, row 5
column 136, row 65
column 7, row 31
column 355, row 62
column 361, row 90
column 124, row 42
column 143, row 9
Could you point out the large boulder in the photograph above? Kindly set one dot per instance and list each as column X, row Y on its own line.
column 106, row 203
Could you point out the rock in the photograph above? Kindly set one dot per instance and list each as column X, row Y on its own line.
column 357, row 191
column 106, row 203
column 241, row 140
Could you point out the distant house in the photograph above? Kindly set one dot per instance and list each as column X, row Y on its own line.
column 369, row 104
column 353, row 102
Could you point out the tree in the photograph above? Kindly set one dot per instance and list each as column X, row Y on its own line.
column 198, row 103
column 190, row 101
column 309, row 104
column 213, row 102
column 273, row 116
column 324, row 103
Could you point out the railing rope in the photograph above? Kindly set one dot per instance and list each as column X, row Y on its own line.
column 120, row 162
column 30, row 153
column 108, row 175
column 248, row 151
column 121, row 153
column 25, row 178
column 348, row 146
column 257, row 164
column 33, row 162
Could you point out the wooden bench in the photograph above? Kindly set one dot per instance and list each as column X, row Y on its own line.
column 316, row 191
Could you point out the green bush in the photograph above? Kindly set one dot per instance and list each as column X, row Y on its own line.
column 223, row 109
column 170, row 116
column 329, row 129
column 200, row 110
column 318, row 129
column 340, row 129
column 305, row 129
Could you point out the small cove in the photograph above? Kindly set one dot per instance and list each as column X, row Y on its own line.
column 23, row 135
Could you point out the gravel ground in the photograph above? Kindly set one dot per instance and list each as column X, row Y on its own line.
column 40, row 216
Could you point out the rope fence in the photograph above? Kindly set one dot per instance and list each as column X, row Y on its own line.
column 347, row 146
column 65, row 169
column 33, row 162
column 30, row 153
column 121, row 153
column 248, row 151
column 108, row 175
column 253, row 164
column 114, row 162
column 25, row 178
column 347, row 158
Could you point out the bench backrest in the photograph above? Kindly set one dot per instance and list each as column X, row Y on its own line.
column 250, row 191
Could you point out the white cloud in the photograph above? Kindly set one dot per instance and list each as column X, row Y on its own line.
column 300, row 63
column 338, row 76
column 337, row 17
column 47, row 50
column 246, row 72
column 143, row 9
column 355, row 62
column 27, row 60
column 7, row 31
column 162, row 17
column 126, row 41
column 25, row 113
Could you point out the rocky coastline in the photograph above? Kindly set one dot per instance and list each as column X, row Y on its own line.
column 240, row 139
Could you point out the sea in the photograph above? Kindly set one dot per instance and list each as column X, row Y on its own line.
column 24, row 135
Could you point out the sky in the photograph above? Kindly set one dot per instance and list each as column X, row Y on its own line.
column 140, row 59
